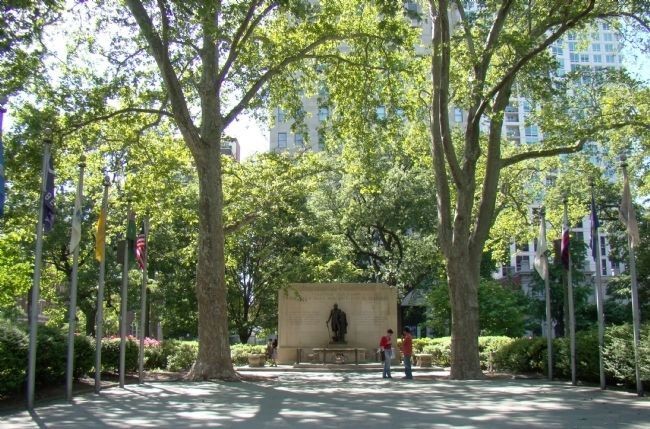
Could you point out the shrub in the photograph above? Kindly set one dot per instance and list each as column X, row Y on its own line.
column 155, row 357
column 183, row 357
column 440, row 349
column 14, row 345
column 520, row 355
column 111, row 355
column 618, row 354
column 51, row 355
column 84, row 355
column 488, row 346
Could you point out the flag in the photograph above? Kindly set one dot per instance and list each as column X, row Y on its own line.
column 100, row 236
column 541, row 259
column 48, row 197
column 141, row 247
column 75, row 235
column 594, row 229
column 565, row 243
column 627, row 215
column 131, row 236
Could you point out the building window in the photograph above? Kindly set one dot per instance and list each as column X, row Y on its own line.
column 323, row 113
column 282, row 140
column 512, row 117
column 610, row 59
column 573, row 46
column 280, row 116
column 603, row 266
column 584, row 58
column 580, row 236
column 557, row 51
column 574, row 58
column 381, row 112
column 299, row 140
column 595, row 47
column 605, row 26
column 608, row 37
column 458, row 115
column 572, row 36
column 512, row 132
column 598, row 58
column 609, row 47
column 532, row 133
column 603, row 246
column 523, row 263
column 595, row 36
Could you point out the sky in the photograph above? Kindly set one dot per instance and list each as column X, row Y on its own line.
column 252, row 136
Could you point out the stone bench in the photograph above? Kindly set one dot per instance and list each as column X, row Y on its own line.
column 424, row 360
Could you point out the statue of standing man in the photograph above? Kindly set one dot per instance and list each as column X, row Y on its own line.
column 339, row 324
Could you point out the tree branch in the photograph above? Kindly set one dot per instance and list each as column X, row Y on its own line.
column 543, row 153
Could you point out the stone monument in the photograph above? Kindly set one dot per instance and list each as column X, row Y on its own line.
column 305, row 320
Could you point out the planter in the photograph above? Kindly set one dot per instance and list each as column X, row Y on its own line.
column 256, row 360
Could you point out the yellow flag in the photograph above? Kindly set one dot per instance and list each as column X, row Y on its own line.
column 100, row 236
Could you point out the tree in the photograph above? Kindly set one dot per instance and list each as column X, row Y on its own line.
column 477, row 58
column 241, row 47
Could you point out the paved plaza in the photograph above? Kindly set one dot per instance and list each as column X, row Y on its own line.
column 291, row 399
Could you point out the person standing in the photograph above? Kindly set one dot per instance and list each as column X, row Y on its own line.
column 386, row 346
column 274, row 353
column 269, row 350
column 407, row 351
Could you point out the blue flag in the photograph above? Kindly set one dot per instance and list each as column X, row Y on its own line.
column 594, row 229
column 48, row 197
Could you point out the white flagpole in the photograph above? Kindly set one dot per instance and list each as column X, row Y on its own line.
column 547, row 293
column 635, row 300
column 143, row 302
column 572, row 320
column 99, row 330
column 72, row 311
column 599, row 301
column 33, row 310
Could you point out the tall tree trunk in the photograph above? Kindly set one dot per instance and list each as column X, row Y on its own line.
column 91, row 314
column 213, row 360
column 463, row 277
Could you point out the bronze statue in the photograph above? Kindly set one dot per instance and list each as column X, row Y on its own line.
column 339, row 324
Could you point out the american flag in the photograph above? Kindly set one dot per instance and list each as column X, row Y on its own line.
column 141, row 247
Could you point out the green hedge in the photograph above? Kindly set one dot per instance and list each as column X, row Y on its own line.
column 51, row 356
column 239, row 352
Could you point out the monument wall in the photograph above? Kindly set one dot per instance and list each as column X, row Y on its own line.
column 304, row 309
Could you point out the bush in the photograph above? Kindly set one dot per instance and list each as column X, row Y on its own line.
column 51, row 355
column 587, row 366
column 84, row 355
column 618, row 354
column 155, row 357
column 520, row 355
column 488, row 346
column 183, row 357
column 111, row 354
column 14, row 345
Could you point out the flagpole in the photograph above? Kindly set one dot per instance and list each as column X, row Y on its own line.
column 599, row 295
column 100, row 295
column 72, row 311
column 635, row 298
column 143, row 302
column 35, row 296
column 547, row 293
column 124, row 296
column 572, row 320
column 3, row 101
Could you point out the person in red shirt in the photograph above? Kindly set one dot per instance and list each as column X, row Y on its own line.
column 386, row 346
column 407, row 351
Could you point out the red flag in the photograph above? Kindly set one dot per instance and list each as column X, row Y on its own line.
column 140, row 248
